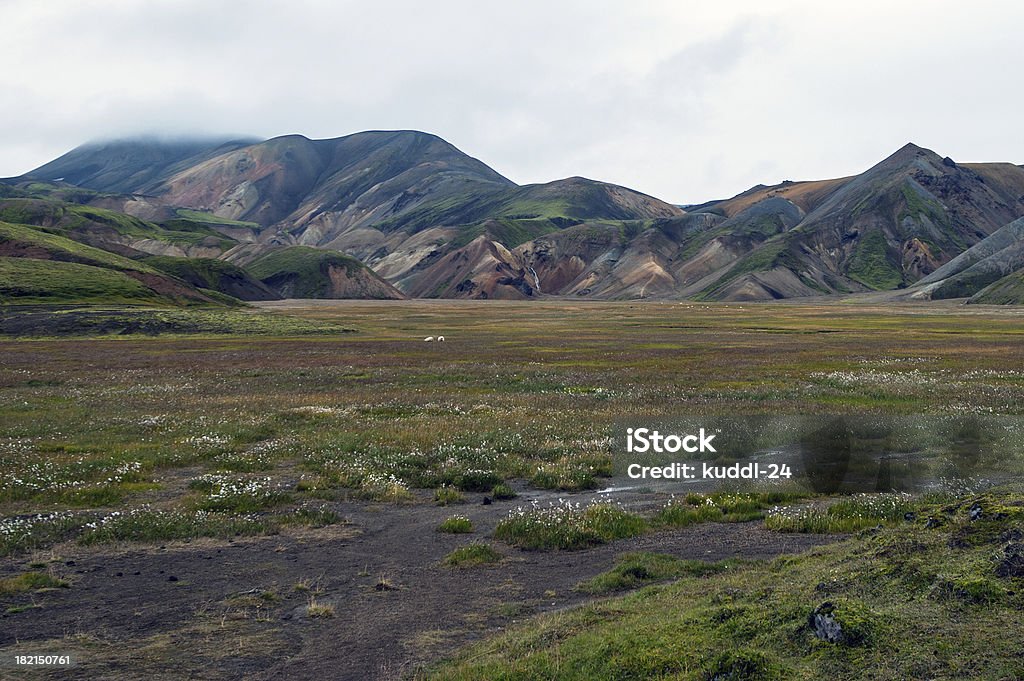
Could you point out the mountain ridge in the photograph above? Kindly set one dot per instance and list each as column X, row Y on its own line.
column 436, row 222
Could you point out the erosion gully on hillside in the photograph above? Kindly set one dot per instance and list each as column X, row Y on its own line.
column 213, row 609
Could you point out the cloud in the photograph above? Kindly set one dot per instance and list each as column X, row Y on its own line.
column 687, row 101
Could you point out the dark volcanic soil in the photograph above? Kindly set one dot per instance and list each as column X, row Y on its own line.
column 210, row 609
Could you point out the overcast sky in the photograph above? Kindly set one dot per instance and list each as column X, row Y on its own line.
column 687, row 101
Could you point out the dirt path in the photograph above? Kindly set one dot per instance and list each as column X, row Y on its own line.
column 223, row 610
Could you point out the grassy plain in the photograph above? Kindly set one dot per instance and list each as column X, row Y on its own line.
column 527, row 391
column 176, row 437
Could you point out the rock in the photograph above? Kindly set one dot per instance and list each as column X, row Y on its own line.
column 948, row 162
column 976, row 512
column 172, row 578
column 910, row 516
column 1012, row 535
column 847, row 623
column 1012, row 563
column 826, row 627
column 487, row 501
column 932, row 523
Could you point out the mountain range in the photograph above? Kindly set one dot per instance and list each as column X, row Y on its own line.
column 390, row 214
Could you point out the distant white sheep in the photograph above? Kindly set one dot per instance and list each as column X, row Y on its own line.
column 440, row 339
column 429, row 339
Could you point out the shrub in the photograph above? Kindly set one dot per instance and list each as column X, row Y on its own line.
column 474, row 480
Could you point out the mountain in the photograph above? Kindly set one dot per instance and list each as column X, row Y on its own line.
column 987, row 263
column 883, row 229
column 399, row 201
column 435, row 222
column 123, row 166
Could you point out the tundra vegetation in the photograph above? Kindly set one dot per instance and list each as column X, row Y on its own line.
column 266, row 427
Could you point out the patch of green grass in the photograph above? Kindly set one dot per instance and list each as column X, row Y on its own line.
column 683, row 515
column 503, row 492
column 310, row 517
column 845, row 515
column 874, row 264
column 634, row 570
column 25, row 280
column 24, row 533
column 1006, row 291
column 303, row 268
column 63, row 249
column 206, row 273
column 211, row 219
column 152, row 525
column 446, row 495
column 16, row 609
column 572, row 473
column 472, row 555
column 109, row 320
column 456, row 524
column 720, row 507
column 30, row 581
column 568, row 526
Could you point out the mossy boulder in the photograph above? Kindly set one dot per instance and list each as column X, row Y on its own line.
column 845, row 623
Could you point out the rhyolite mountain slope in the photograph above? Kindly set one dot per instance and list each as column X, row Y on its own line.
column 398, row 201
column 998, row 257
column 884, row 229
column 435, row 222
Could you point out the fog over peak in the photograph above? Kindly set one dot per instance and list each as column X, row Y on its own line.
column 682, row 101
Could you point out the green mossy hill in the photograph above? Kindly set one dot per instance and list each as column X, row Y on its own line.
column 40, row 267
column 933, row 597
column 27, row 281
column 305, row 272
column 100, row 225
column 215, row 275
column 1007, row 291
